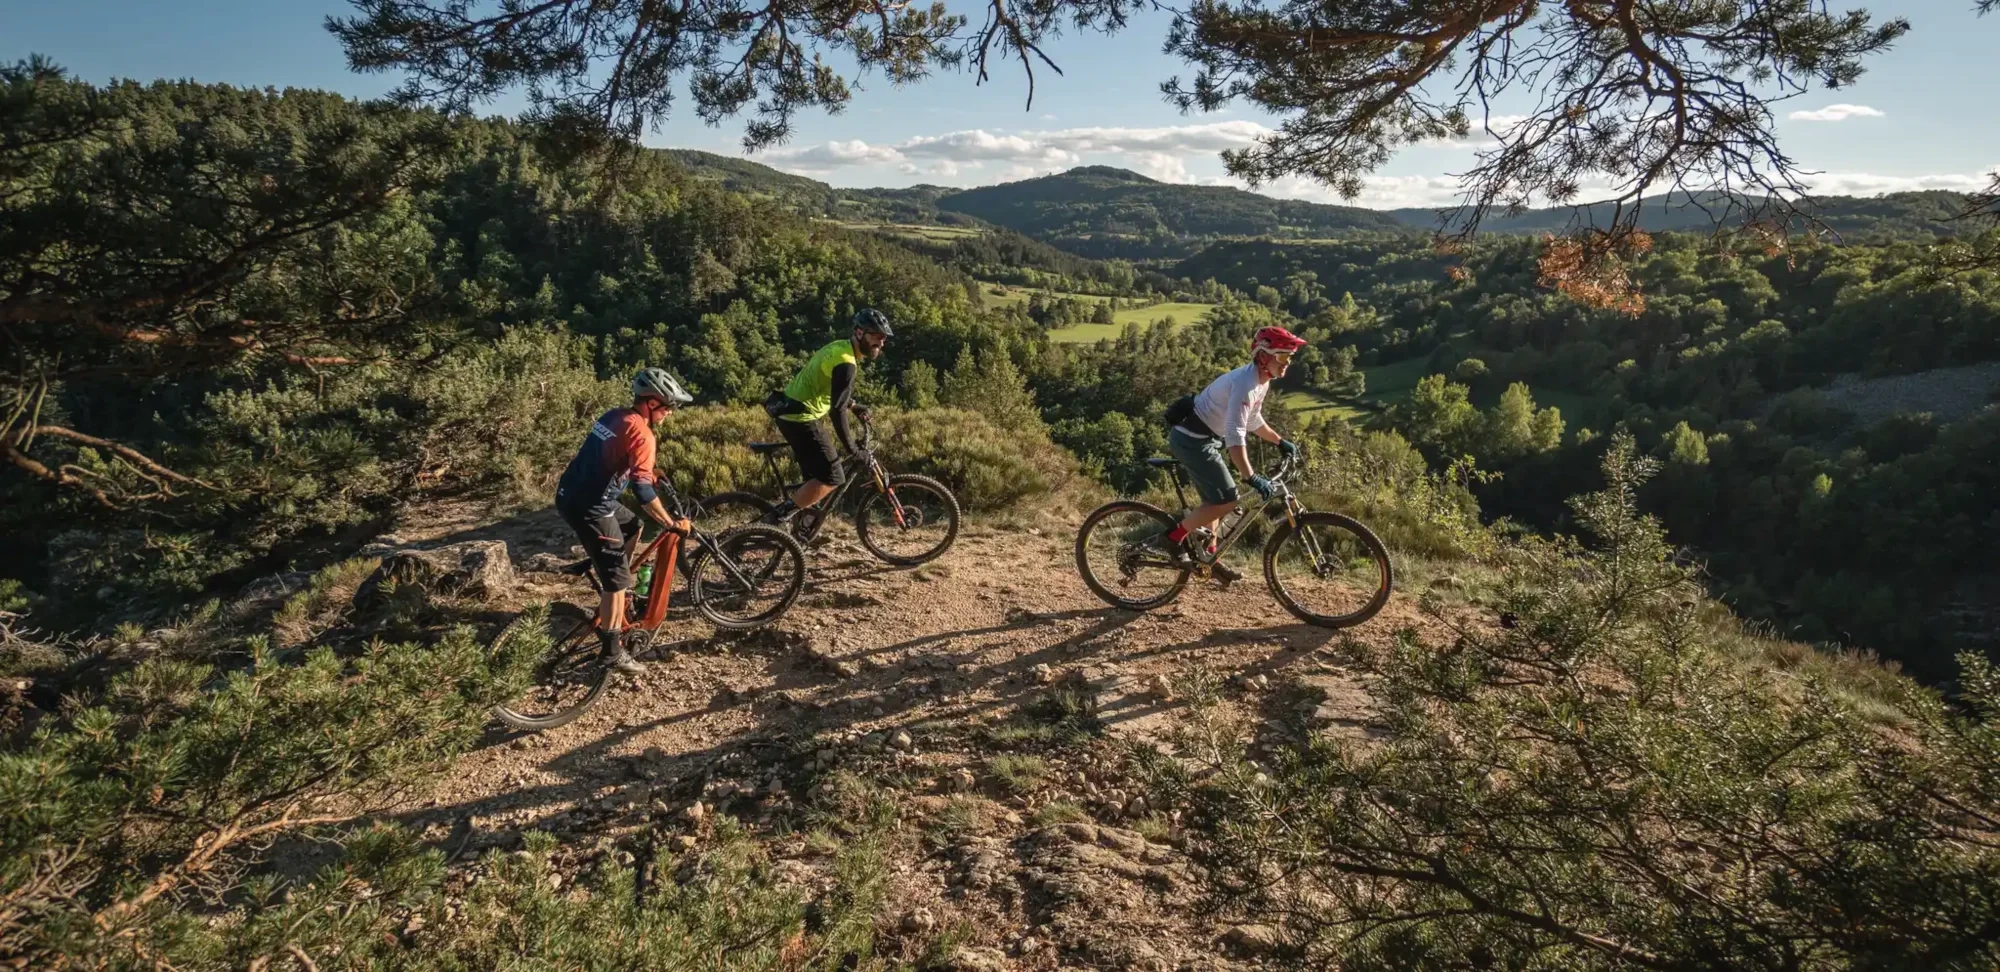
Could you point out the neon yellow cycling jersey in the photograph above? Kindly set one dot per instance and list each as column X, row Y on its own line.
column 813, row 387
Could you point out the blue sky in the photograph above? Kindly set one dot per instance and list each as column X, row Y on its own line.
column 1921, row 118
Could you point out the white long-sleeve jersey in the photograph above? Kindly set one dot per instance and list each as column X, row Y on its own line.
column 1232, row 406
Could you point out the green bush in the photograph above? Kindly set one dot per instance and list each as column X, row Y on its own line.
column 990, row 468
column 1592, row 784
column 145, row 803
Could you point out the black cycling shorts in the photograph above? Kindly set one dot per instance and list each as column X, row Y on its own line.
column 604, row 542
column 812, row 446
column 811, row 442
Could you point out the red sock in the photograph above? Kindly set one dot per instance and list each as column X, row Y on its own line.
column 1178, row 533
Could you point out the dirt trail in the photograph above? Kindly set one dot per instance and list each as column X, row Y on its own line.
column 871, row 653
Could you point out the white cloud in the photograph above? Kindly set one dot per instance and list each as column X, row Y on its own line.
column 1482, row 136
column 1162, row 150
column 1868, row 184
column 1834, row 113
column 1161, row 166
column 976, row 144
column 833, row 155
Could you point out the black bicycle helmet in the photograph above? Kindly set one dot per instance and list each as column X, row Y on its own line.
column 873, row 321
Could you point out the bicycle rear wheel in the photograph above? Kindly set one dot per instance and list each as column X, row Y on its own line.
column 917, row 528
column 1328, row 570
column 1116, row 555
column 769, row 572
column 570, row 674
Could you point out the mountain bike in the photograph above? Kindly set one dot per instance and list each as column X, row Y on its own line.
column 1327, row 569
column 739, row 579
column 903, row 519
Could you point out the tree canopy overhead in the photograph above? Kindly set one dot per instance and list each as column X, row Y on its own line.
column 594, row 66
column 1640, row 97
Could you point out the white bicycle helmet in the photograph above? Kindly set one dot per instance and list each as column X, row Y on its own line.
column 656, row 383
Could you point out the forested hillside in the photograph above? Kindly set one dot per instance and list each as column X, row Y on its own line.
column 1104, row 212
column 1879, row 536
column 579, row 269
column 249, row 332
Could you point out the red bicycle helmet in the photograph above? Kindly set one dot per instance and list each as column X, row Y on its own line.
column 1277, row 339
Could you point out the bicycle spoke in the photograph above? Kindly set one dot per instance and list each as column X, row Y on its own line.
column 568, row 674
column 1119, row 554
column 749, row 577
column 912, row 521
column 1327, row 570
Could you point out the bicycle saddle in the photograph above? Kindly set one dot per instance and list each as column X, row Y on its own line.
column 763, row 447
column 1162, row 462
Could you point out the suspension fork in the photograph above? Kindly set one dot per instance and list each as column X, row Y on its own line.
column 1306, row 539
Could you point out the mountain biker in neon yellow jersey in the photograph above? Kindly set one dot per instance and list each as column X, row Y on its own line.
column 824, row 389
column 1220, row 420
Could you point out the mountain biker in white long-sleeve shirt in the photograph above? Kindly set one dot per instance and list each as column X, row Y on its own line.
column 1226, row 414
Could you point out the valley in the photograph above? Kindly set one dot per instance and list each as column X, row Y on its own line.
column 1692, row 529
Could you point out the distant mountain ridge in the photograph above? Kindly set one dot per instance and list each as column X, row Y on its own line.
column 1105, row 212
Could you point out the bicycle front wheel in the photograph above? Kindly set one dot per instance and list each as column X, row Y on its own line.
column 570, row 674
column 748, row 578
column 1119, row 554
column 1328, row 570
column 913, row 523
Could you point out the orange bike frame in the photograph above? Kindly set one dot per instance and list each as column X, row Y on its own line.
column 666, row 550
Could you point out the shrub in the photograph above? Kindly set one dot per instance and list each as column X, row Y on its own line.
column 145, row 806
column 1590, row 784
column 702, row 451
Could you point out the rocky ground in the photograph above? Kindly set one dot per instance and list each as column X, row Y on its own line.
column 987, row 698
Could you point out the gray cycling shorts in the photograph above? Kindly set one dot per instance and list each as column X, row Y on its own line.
column 1205, row 464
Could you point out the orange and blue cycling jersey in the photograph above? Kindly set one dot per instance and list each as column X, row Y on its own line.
column 618, row 450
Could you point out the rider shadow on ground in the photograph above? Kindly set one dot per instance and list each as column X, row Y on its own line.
column 782, row 723
column 1136, row 707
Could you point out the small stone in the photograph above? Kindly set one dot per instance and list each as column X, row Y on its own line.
column 696, row 811
column 1136, row 808
column 413, row 926
column 972, row 959
column 901, row 740
column 1160, row 687
column 624, row 858
column 1042, row 674
column 962, row 779
column 684, row 842
column 1253, row 939
column 777, row 788
column 845, row 669
column 919, row 922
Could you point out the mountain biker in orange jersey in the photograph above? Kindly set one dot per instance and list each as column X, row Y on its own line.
column 619, row 450
column 824, row 388
column 1223, row 417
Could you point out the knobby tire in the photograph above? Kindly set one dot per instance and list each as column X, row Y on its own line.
column 876, row 504
column 1378, row 554
column 1097, row 586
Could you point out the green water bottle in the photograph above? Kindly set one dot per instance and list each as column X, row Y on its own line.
column 645, row 579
